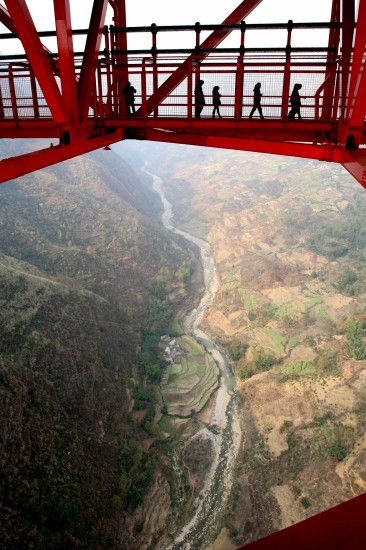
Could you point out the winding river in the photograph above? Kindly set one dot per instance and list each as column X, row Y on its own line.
column 202, row 529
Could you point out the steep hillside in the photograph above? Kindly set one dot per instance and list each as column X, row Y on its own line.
column 288, row 238
column 87, row 275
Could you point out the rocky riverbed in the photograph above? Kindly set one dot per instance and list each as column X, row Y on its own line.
column 222, row 434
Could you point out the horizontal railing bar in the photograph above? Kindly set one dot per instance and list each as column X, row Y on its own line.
column 238, row 26
column 49, row 54
column 237, row 51
column 42, row 34
column 277, row 66
column 172, row 28
column 198, row 51
column 229, row 67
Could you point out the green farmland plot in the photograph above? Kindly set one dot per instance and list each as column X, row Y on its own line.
column 287, row 309
column 230, row 285
column 309, row 304
column 189, row 344
column 293, row 341
column 192, row 379
column 299, row 368
column 249, row 301
column 274, row 341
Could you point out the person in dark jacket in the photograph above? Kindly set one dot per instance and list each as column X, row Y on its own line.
column 216, row 101
column 129, row 93
column 257, row 100
column 199, row 98
column 295, row 102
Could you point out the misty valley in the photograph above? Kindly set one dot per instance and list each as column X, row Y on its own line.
column 182, row 347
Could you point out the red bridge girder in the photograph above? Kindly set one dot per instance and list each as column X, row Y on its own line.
column 76, row 96
column 339, row 528
column 79, row 101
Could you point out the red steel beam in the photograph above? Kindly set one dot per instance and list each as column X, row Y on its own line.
column 24, row 164
column 358, row 110
column 66, row 58
column 90, row 58
column 212, row 41
column 303, row 150
column 23, row 22
column 342, row 527
column 348, row 25
column 356, row 104
column 121, row 67
column 331, row 68
column 354, row 163
column 5, row 19
column 356, row 166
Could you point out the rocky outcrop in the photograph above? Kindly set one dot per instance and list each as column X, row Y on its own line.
column 137, row 531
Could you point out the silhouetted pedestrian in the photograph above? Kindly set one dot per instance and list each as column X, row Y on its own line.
column 295, row 102
column 129, row 93
column 257, row 100
column 199, row 98
column 216, row 101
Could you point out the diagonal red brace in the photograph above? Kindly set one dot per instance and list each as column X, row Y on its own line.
column 66, row 57
column 15, row 167
column 356, row 108
column 5, row 19
column 90, row 58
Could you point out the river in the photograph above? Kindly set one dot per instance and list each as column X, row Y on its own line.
column 202, row 529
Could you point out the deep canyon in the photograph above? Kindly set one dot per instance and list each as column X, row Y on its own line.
column 266, row 397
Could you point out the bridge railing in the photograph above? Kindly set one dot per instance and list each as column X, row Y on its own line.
column 236, row 81
column 20, row 94
column 22, row 98
column 277, row 67
column 236, row 69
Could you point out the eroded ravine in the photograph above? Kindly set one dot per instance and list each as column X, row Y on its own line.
column 210, row 506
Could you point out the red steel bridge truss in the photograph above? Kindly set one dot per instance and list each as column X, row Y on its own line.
column 77, row 97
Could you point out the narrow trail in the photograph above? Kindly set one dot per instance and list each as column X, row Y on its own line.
column 202, row 529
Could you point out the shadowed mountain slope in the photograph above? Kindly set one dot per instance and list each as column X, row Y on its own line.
column 86, row 272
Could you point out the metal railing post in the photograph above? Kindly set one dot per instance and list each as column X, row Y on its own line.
column 239, row 80
column 116, row 102
column 287, row 73
column 155, row 65
column 34, row 94
column 108, row 102
column 107, row 50
column 336, row 95
column 1, row 102
column 317, row 96
column 143, row 88
column 189, row 91
column 12, row 93
column 100, row 103
column 197, row 28
column 328, row 95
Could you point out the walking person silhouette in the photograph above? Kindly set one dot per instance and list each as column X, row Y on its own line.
column 199, row 98
column 257, row 100
column 216, row 101
column 129, row 93
column 295, row 101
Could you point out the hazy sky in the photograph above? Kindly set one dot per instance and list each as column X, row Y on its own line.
column 164, row 12
column 141, row 12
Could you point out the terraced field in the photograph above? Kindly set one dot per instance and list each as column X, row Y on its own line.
column 192, row 379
